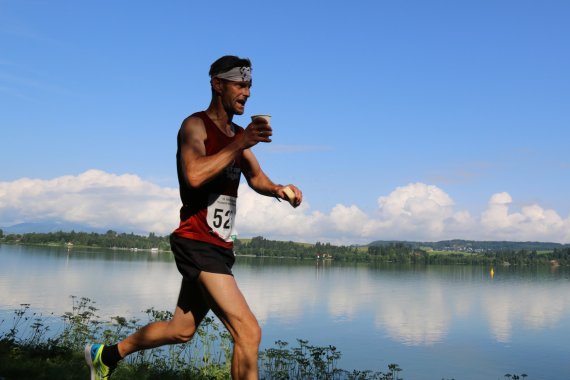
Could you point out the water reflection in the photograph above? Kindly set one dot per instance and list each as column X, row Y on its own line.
column 413, row 306
column 419, row 316
column 535, row 306
column 120, row 282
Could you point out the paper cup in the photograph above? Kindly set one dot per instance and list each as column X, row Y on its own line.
column 265, row 117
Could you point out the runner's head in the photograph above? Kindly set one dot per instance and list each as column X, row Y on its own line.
column 223, row 68
column 230, row 78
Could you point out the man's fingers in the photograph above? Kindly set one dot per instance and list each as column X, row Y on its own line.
column 260, row 133
column 293, row 195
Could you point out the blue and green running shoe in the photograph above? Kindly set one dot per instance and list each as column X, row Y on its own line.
column 99, row 371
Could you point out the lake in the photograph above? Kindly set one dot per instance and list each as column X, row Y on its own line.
column 433, row 321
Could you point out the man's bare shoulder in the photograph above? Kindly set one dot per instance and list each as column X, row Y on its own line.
column 192, row 121
column 192, row 127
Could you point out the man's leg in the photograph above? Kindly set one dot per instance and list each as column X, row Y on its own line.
column 230, row 306
column 190, row 310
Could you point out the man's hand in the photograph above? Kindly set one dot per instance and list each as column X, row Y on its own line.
column 291, row 194
column 257, row 131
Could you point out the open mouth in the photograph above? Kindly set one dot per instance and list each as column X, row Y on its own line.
column 242, row 102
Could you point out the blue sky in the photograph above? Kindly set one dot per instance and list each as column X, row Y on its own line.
column 410, row 120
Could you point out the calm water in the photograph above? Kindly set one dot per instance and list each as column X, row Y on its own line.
column 435, row 322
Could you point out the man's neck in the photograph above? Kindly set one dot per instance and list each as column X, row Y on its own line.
column 221, row 117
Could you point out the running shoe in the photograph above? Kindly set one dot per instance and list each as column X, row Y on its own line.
column 99, row 371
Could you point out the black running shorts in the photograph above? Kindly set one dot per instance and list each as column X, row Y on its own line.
column 193, row 257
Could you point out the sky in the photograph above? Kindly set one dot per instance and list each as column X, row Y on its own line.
column 408, row 120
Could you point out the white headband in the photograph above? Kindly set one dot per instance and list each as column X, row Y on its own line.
column 237, row 74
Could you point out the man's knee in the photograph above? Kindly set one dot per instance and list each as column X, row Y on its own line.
column 183, row 335
column 256, row 333
column 250, row 334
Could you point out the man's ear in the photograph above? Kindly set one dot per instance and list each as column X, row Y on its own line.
column 217, row 85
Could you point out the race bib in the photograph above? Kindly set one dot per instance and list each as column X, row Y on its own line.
column 221, row 214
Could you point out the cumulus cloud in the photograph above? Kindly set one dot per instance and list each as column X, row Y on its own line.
column 420, row 207
column 532, row 222
column 416, row 211
column 93, row 198
column 266, row 216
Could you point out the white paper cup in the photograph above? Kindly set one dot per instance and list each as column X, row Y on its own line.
column 265, row 117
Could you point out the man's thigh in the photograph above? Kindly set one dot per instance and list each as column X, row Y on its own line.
column 226, row 300
column 191, row 307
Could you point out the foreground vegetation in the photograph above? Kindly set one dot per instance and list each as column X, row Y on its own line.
column 448, row 252
column 30, row 350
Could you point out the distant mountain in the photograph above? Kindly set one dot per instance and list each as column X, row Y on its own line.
column 476, row 246
column 46, row 227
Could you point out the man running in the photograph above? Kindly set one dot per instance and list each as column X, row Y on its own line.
column 212, row 154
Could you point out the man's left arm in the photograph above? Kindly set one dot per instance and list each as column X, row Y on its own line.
column 261, row 183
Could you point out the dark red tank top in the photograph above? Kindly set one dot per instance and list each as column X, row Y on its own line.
column 208, row 212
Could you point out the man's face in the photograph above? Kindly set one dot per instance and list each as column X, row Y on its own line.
column 235, row 95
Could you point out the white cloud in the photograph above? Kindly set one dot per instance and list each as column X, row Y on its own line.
column 416, row 211
column 93, row 198
column 531, row 223
column 422, row 210
column 258, row 215
column 349, row 219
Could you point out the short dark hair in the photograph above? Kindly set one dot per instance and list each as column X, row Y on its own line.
column 228, row 62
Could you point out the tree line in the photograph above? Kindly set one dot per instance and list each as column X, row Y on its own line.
column 394, row 252
column 259, row 246
column 478, row 246
column 110, row 239
column 397, row 252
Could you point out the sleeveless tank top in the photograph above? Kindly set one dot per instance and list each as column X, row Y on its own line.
column 208, row 212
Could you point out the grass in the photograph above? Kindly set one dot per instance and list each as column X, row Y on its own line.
column 29, row 350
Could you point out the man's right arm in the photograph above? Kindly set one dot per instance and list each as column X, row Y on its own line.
column 199, row 168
